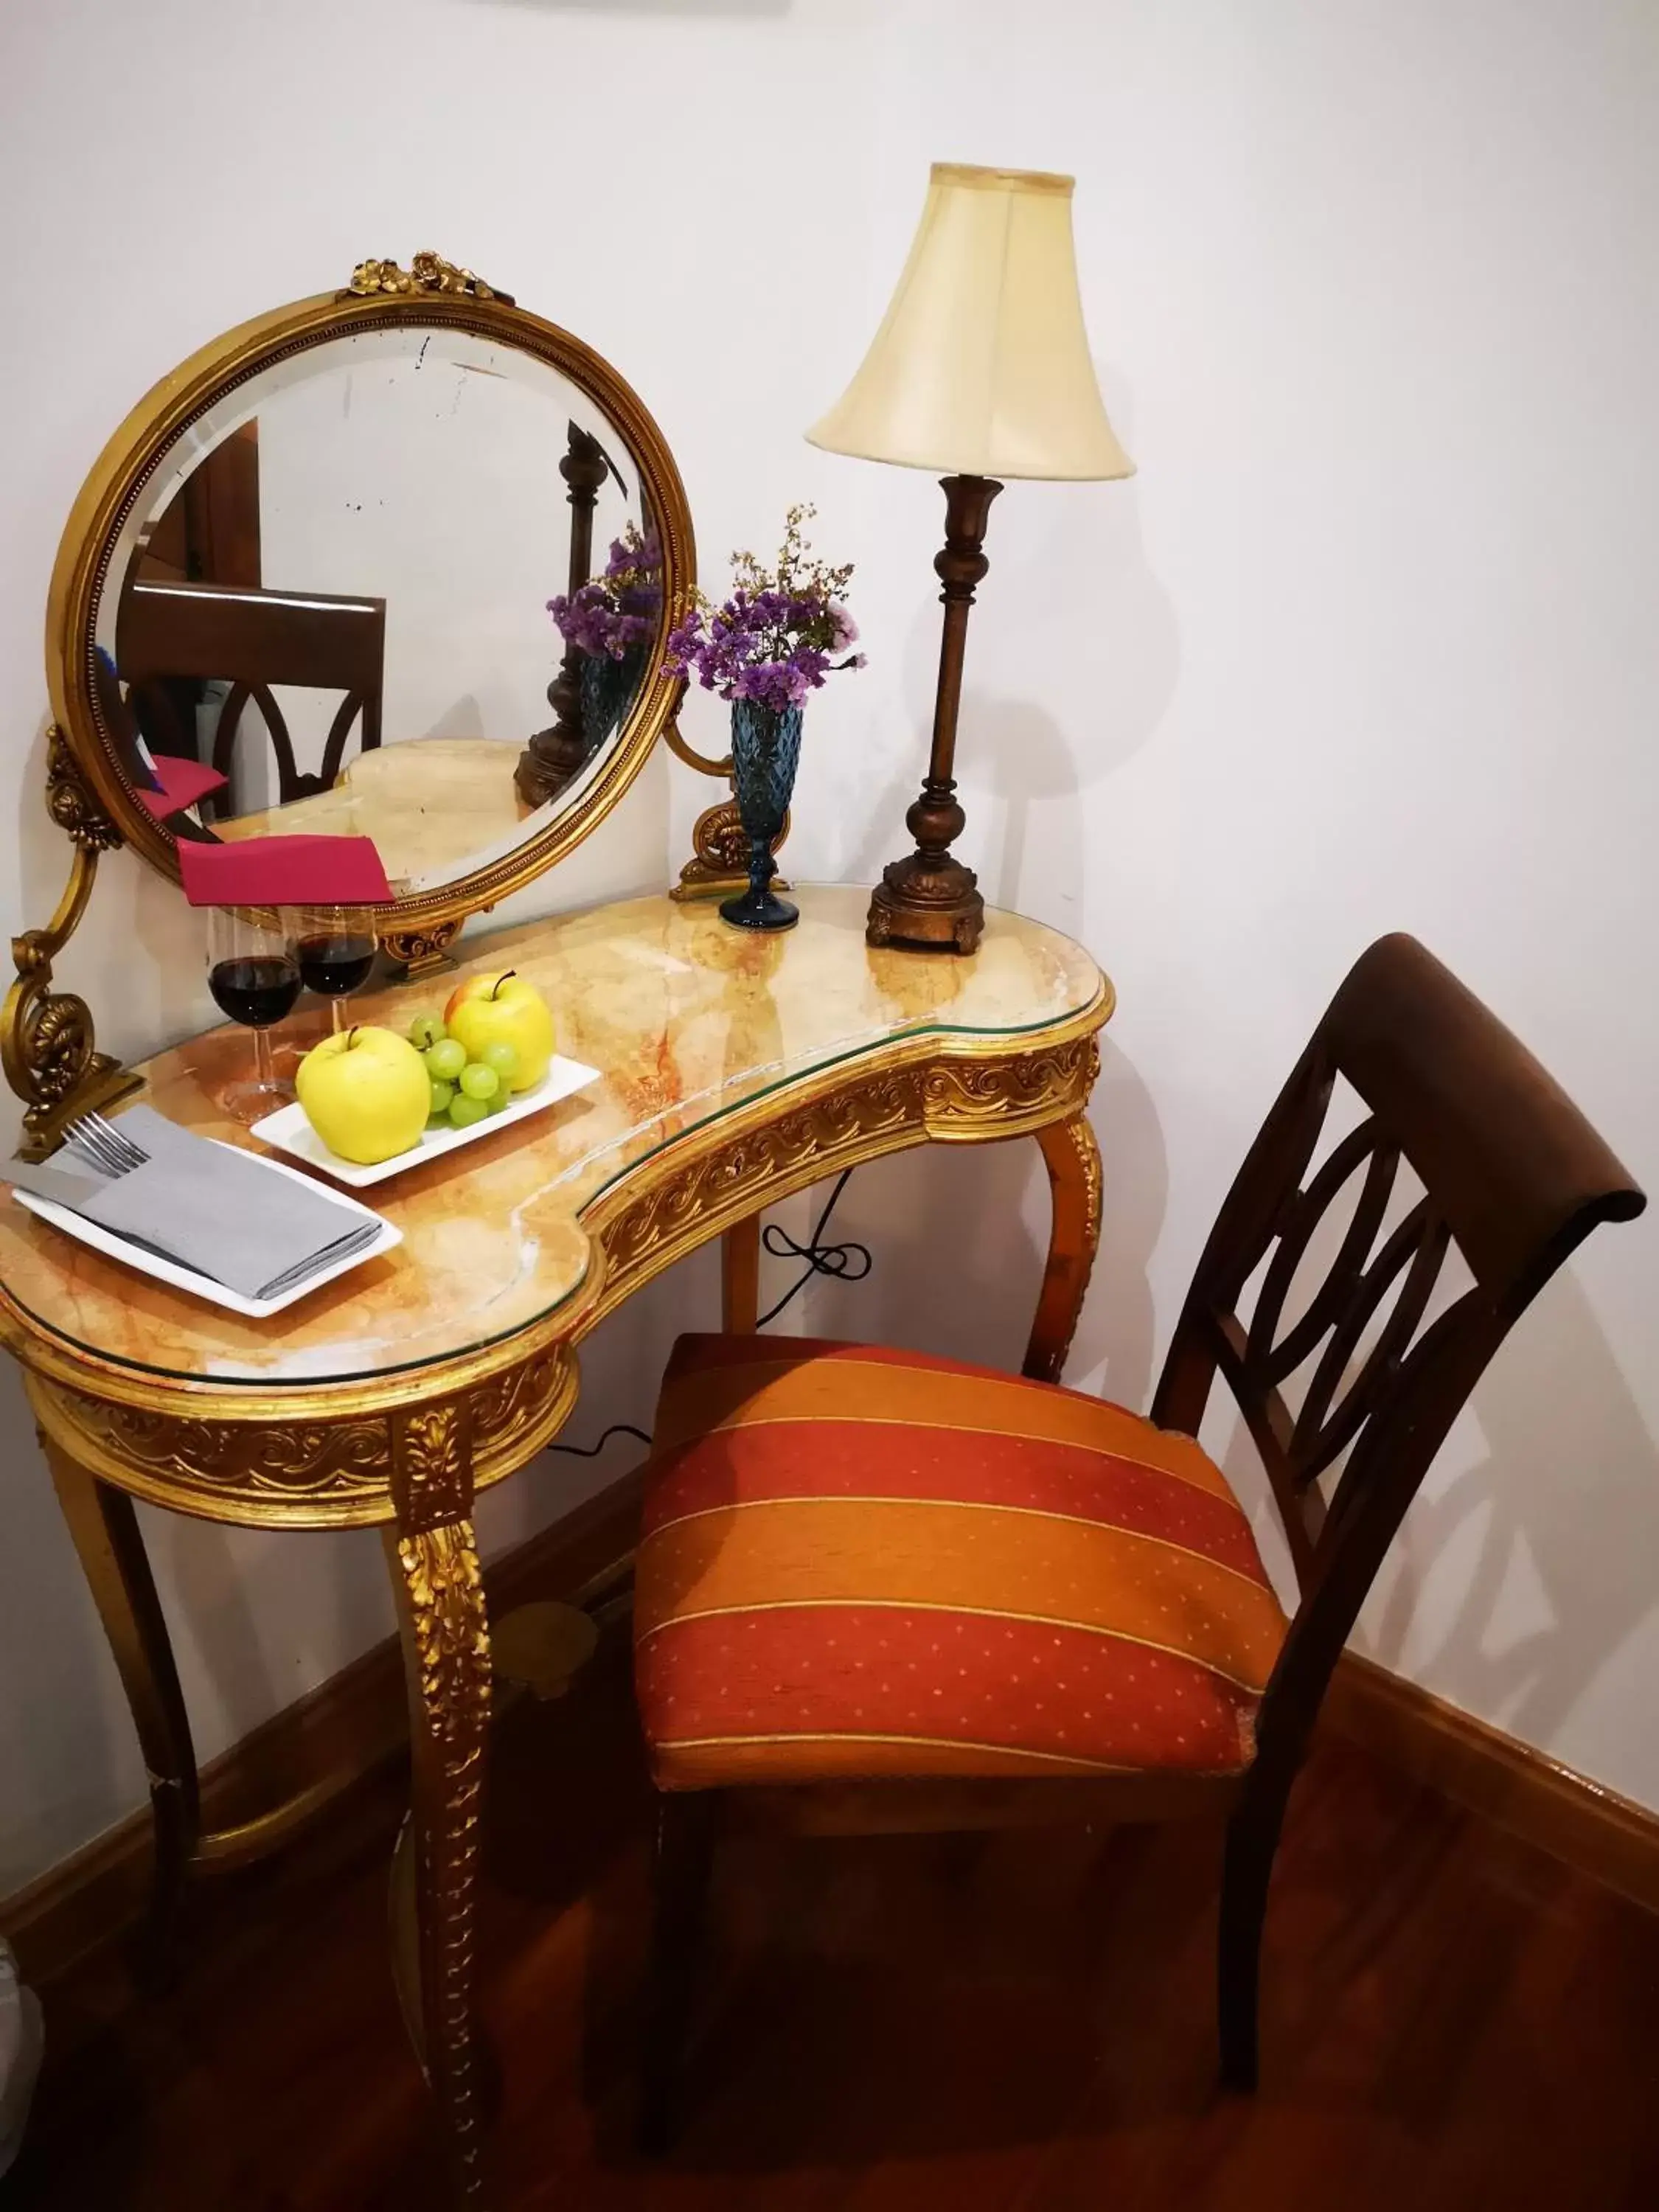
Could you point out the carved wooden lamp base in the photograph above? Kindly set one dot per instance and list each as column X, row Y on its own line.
column 930, row 901
column 555, row 757
column 922, row 906
column 551, row 759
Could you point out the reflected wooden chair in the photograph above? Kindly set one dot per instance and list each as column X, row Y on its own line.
column 252, row 639
column 120, row 723
column 878, row 1591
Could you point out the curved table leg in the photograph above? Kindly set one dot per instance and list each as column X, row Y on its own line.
column 740, row 1277
column 103, row 1525
column 1072, row 1157
column 441, row 1612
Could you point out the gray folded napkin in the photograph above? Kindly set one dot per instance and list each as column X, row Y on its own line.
column 224, row 1213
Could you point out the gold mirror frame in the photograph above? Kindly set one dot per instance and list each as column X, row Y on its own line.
column 47, row 1037
column 435, row 295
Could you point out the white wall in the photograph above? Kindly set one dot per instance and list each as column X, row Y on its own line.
column 426, row 474
column 1367, row 644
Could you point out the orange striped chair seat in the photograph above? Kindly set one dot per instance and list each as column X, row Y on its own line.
column 858, row 1562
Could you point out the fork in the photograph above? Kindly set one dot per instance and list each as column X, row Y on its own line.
column 95, row 1141
column 105, row 1147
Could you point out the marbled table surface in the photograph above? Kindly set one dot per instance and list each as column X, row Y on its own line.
column 686, row 1018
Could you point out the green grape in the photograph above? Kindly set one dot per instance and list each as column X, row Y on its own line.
column 465, row 1111
column 442, row 1094
column 445, row 1059
column 479, row 1081
column 427, row 1030
column 499, row 1102
column 500, row 1055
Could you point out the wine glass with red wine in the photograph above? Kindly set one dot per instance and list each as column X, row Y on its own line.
column 255, row 980
column 335, row 947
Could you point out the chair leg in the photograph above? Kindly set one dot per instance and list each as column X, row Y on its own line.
column 1253, row 1837
column 685, row 1855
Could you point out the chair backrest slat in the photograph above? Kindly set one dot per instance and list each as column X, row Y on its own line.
column 253, row 639
column 1512, row 1175
column 1275, row 1357
column 1417, row 1247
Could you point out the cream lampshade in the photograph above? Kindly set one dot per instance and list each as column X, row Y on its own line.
column 981, row 368
column 981, row 365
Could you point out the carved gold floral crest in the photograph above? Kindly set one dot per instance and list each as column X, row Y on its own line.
column 427, row 272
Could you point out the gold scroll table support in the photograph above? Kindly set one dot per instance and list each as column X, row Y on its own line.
column 737, row 1073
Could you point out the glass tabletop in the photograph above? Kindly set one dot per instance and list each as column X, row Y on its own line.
column 687, row 1019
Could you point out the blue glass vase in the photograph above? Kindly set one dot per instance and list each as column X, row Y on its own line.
column 765, row 754
column 607, row 689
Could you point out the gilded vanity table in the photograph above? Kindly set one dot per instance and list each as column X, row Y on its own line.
column 736, row 1070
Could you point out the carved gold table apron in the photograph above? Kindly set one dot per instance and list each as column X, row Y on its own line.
column 737, row 1069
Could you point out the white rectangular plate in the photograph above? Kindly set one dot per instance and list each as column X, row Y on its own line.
column 288, row 1130
column 203, row 1287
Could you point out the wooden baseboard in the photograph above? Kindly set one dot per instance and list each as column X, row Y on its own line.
column 355, row 1722
column 1575, row 1820
column 347, row 1729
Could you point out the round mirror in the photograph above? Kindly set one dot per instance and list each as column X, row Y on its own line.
column 310, row 580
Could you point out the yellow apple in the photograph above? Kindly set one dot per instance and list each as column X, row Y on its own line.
column 365, row 1092
column 503, row 1009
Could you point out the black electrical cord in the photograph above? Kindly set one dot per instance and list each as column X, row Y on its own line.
column 847, row 1263
column 593, row 1451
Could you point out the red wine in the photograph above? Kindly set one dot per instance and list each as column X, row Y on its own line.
column 255, row 992
column 334, row 965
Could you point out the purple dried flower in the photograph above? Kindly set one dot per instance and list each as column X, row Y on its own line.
column 632, row 555
column 772, row 639
column 622, row 608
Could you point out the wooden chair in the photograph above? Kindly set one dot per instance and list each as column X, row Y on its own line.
column 880, row 1591
column 252, row 639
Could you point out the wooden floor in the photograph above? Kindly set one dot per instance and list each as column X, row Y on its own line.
column 1022, row 2021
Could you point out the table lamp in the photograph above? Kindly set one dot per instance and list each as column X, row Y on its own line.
column 982, row 370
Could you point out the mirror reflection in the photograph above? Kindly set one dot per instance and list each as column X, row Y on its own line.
column 403, row 584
